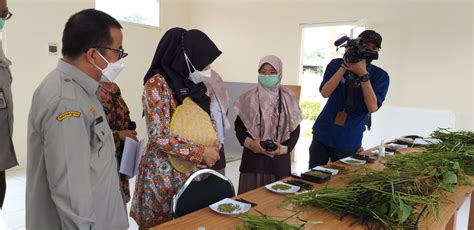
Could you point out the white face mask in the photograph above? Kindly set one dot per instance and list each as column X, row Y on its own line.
column 111, row 71
column 196, row 76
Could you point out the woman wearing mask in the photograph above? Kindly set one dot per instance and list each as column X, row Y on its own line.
column 118, row 117
column 180, row 64
column 267, row 126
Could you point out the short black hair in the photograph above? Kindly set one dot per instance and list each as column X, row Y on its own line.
column 87, row 29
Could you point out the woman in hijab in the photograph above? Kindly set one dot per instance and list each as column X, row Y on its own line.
column 267, row 126
column 118, row 117
column 219, row 95
column 181, row 62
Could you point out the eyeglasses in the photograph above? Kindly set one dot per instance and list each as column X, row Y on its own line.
column 121, row 52
column 6, row 15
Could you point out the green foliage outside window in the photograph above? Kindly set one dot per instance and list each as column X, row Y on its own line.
column 310, row 109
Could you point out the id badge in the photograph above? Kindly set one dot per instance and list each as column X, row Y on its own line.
column 340, row 118
column 3, row 101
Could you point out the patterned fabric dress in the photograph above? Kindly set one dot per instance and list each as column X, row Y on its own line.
column 118, row 117
column 157, row 181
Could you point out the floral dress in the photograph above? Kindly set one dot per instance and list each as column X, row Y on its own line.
column 157, row 181
column 118, row 117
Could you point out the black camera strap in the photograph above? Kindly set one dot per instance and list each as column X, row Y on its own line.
column 279, row 112
column 353, row 84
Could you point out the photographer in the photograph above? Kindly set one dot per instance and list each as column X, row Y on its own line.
column 267, row 126
column 355, row 88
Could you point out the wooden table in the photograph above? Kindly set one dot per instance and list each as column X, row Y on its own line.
column 271, row 204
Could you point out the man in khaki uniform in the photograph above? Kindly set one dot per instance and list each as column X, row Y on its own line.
column 7, row 152
column 72, row 177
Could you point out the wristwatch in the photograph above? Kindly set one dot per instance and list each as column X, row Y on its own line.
column 365, row 78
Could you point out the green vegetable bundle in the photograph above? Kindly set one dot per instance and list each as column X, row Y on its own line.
column 265, row 222
column 409, row 187
column 378, row 200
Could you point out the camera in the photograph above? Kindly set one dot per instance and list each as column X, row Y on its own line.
column 356, row 50
column 132, row 125
column 268, row 145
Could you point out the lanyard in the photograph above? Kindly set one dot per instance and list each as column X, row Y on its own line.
column 279, row 112
column 353, row 84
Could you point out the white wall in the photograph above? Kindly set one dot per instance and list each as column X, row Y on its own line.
column 472, row 57
column 36, row 23
column 427, row 45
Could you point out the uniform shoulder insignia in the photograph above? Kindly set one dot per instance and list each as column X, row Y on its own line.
column 68, row 114
column 93, row 111
column 67, row 89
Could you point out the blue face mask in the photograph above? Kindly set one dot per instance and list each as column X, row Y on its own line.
column 2, row 23
column 268, row 81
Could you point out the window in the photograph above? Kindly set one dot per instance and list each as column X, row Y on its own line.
column 317, row 50
column 143, row 12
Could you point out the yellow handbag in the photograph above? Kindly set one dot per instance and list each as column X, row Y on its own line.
column 191, row 122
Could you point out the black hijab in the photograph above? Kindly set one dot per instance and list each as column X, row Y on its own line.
column 170, row 63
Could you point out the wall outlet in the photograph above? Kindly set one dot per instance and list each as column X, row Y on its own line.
column 52, row 49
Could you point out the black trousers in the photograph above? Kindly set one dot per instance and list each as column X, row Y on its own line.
column 3, row 187
column 319, row 154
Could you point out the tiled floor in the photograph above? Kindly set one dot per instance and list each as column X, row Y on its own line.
column 13, row 212
column 14, row 205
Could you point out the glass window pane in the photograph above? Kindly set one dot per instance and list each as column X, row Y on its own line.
column 145, row 12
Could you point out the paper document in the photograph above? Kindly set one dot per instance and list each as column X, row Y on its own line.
column 132, row 153
column 426, row 141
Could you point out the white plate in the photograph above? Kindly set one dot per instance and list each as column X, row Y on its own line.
column 321, row 168
column 355, row 162
column 292, row 189
column 243, row 207
column 397, row 146
column 427, row 141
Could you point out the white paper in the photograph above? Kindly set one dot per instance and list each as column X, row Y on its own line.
column 269, row 155
column 132, row 152
column 3, row 224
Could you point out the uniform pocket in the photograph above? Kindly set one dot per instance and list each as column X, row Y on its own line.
column 4, row 113
column 7, row 158
column 3, row 100
column 103, row 150
column 101, row 133
column 6, row 74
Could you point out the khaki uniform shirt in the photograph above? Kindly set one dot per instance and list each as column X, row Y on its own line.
column 72, row 178
column 7, row 152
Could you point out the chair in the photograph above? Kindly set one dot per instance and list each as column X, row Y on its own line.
column 194, row 195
